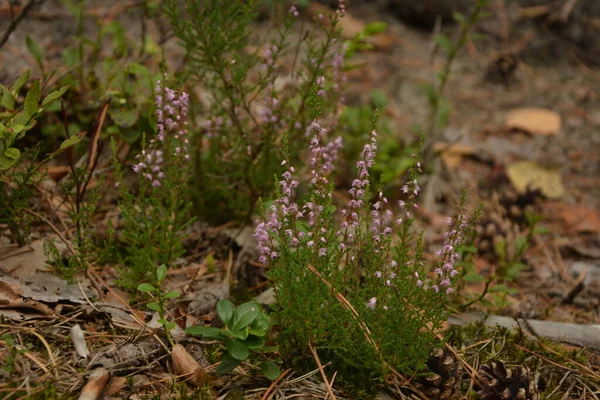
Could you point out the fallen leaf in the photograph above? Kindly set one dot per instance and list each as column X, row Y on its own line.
column 576, row 217
column 93, row 388
column 526, row 175
column 452, row 154
column 29, row 276
column 536, row 121
column 115, row 384
column 186, row 365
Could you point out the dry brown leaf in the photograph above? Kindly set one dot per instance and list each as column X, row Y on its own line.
column 537, row 121
column 186, row 365
column 576, row 217
column 115, row 384
column 452, row 154
column 529, row 175
column 93, row 389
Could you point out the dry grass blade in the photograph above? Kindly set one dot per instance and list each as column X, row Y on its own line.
column 44, row 342
column 323, row 375
column 266, row 395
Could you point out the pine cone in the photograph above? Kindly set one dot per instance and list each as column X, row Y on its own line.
column 503, row 383
column 504, row 218
column 502, row 69
column 443, row 381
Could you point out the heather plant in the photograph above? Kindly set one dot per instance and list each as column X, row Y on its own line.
column 345, row 282
column 252, row 100
column 156, row 214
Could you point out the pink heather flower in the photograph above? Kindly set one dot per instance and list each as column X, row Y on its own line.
column 341, row 10
column 372, row 303
column 378, row 274
column 171, row 124
column 366, row 161
column 453, row 239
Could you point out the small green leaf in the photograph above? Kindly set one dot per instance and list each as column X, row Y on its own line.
column 500, row 248
column 12, row 153
column 378, row 98
column 270, row 370
column 228, row 363
column 8, row 338
column 470, row 249
column 32, row 99
column 162, row 321
column 161, row 273
column 34, row 49
column 254, row 342
column 515, row 269
column 237, row 349
column 240, row 334
column 72, row 141
column 521, row 244
column 444, row 112
column 206, row 331
column 5, row 162
column 146, row 288
column 55, row 95
column 444, row 42
column 154, row 306
column 473, row 277
column 375, row 27
column 170, row 325
column 501, row 288
column 458, row 17
column 225, row 309
column 19, row 83
column 172, row 294
column 245, row 314
column 7, row 100
column 262, row 322
column 123, row 117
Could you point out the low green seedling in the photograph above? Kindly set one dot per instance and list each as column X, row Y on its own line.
column 159, row 298
column 13, row 352
column 245, row 328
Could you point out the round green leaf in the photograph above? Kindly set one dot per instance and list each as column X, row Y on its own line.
column 254, row 342
column 12, row 153
column 172, row 294
column 245, row 314
column 225, row 310
column 237, row 349
column 240, row 334
column 270, row 370
column 146, row 288
column 154, row 306
column 228, row 363
column 161, row 273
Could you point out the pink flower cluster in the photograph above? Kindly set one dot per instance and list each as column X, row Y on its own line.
column 449, row 253
column 357, row 191
column 281, row 211
column 284, row 211
column 171, row 123
column 380, row 221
